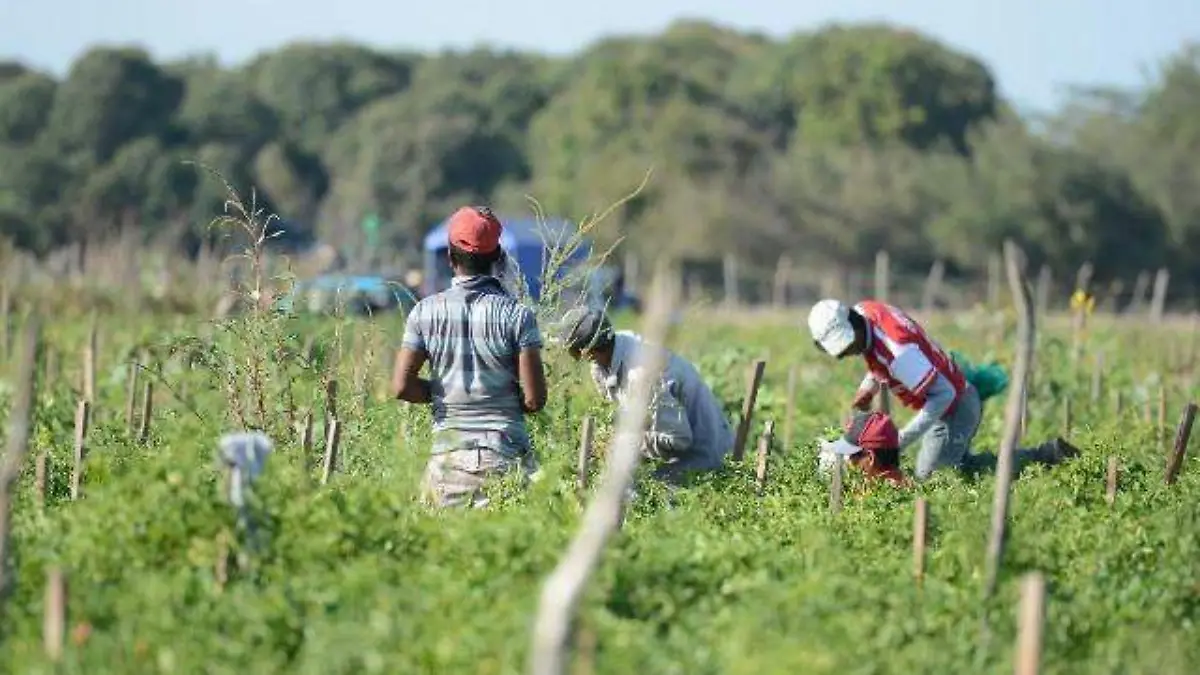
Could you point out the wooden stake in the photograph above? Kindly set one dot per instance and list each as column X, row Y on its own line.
column 306, row 440
column 587, row 435
column 730, row 272
column 5, row 310
column 39, row 479
column 789, row 410
column 1030, row 624
column 82, row 415
column 331, row 450
column 1161, row 279
column 933, row 286
column 1067, row 416
column 89, row 364
column 1183, row 434
column 1111, row 481
column 883, row 276
column 743, row 430
column 764, row 448
column 783, row 271
column 1161, row 434
column 1026, row 335
column 221, row 564
column 20, row 418
column 1118, row 403
column 836, row 487
column 54, row 613
column 147, row 412
column 331, row 392
column 1097, row 377
column 131, row 397
column 920, row 525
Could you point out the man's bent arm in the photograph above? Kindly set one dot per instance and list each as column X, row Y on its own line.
column 938, row 398
column 406, row 384
column 533, row 380
column 866, row 392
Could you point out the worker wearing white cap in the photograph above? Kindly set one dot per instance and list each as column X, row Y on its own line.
column 902, row 357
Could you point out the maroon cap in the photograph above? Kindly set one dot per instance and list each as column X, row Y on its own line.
column 474, row 229
column 867, row 431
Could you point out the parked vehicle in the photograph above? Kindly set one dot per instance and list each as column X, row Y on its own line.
column 355, row 294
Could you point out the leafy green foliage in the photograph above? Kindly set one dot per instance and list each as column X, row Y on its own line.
column 357, row 576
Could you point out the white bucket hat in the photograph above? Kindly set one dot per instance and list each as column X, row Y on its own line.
column 829, row 323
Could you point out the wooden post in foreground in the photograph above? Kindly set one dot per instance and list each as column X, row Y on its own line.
column 1026, row 333
column 920, row 526
column 1030, row 622
column 563, row 588
column 743, row 430
column 1183, row 434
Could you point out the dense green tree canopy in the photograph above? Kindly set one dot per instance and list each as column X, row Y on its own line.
column 826, row 146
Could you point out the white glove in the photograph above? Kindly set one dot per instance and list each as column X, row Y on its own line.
column 827, row 459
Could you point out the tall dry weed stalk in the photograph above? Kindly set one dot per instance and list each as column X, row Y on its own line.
column 250, row 353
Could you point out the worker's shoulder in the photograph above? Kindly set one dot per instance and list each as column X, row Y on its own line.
column 873, row 307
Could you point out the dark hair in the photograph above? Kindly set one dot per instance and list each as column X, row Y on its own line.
column 888, row 459
column 475, row 263
column 858, row 323
column 605, row 341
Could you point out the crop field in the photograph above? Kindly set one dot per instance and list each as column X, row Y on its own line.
column 354, row 575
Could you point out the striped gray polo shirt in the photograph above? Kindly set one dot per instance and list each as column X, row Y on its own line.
column 472, row 334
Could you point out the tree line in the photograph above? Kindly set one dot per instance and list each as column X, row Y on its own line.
column 827, row 145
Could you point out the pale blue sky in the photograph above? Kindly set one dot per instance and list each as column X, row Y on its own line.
column 1033, row 46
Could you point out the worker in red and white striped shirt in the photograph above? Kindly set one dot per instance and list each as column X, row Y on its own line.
column 901, row 356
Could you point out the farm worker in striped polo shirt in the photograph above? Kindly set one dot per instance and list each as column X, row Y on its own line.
column 688, row 430
column 485, row 368
column 900, row 355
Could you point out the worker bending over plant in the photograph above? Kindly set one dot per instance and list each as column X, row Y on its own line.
column 871, row 442
column 687, row 431
column 901, row 356
column 484, row 354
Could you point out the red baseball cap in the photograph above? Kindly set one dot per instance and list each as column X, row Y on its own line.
column 867, row 431
column 474, row 229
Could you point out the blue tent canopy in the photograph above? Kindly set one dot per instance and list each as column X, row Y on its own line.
column 523, row 239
